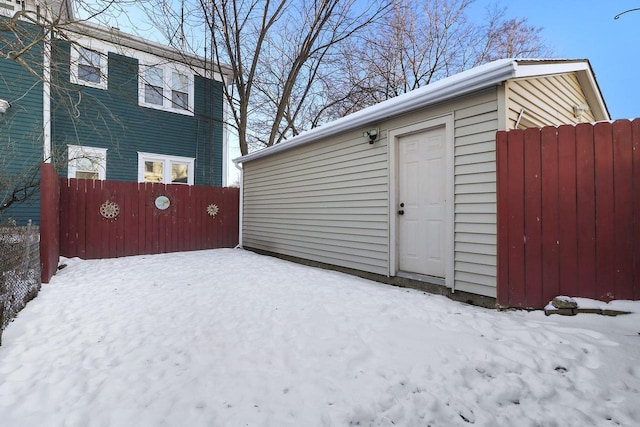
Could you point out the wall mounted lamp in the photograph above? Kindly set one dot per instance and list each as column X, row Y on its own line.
column 371, row 135
column 580, row 110
column 4, row 106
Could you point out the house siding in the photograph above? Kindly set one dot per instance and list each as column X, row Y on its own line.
column 324, row 202
column 113, row 119
column 545, row 101
column 329, row 202
column 21, row 141
column 475, row 244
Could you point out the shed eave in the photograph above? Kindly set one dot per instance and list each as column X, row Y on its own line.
column 460, row 84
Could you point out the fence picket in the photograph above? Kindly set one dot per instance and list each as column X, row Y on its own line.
column 586, row 212
column 635, row 128
column 550, row 224
column 502, row 202
column 605, row 215
column 623, row 195
column 516, row 219
column 533, row 215
column 567, row 211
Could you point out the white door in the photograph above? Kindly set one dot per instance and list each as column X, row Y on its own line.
column 421, row 203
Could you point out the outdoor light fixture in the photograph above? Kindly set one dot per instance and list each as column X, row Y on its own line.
column 4, row 105
column 579, row 110
column 371, row 135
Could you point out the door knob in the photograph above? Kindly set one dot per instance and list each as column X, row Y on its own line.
column 401, row 212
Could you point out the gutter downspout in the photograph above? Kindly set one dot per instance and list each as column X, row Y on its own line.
column 46, row 98
column 240, row 208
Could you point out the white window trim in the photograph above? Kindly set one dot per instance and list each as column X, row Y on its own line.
column 167, row 160
column 167, row 74
column 104, row 67
column 78, row 151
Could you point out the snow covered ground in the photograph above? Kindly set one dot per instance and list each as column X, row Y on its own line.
column 230, row 338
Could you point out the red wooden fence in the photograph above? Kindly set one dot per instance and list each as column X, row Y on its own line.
column 569, row 213
column 106, row 219
column 49, row 221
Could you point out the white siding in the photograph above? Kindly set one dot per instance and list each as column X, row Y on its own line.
column 475, row 245
column 545, row 101
column 324, row 202
column 329, row 201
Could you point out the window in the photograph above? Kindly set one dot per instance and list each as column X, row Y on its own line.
column 88, row 67
column 179, row 91
column 87, row 162
column 165, row 169
column 154, row 86
column 166, row 87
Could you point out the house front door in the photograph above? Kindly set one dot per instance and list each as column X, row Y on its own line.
column 421, row 203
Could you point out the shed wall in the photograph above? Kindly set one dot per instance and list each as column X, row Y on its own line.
column 323, row 202
column 329, row 201
column 475, row 247
column 545, row 101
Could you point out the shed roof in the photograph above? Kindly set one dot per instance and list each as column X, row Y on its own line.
column 463, row 83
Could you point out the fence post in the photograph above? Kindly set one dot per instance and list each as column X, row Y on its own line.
column 49, row 221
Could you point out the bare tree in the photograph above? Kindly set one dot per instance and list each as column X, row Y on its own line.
column 279, row 52
column 298, row 64
column 421, row 41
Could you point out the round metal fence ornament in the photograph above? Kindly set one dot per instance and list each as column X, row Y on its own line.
column 213, row 210
column 162, row 202
column 109, row 210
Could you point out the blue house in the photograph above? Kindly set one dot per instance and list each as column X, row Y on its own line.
column 105, row 105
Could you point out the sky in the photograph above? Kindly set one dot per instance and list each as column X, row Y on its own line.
column 587, row 29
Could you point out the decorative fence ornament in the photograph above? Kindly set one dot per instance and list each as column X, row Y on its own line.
column 109, row 210
column 213, row 210
column 162, row 202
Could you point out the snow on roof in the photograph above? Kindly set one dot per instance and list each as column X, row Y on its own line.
column 472, row 80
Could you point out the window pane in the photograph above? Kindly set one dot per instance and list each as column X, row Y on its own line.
column 88, row 73
column 180, row 100
column 88, row 57
column 86, row 175
column 153, row 171
column 179, row 82
column 87, row 164
column 153, row 94
column 88, row 65
column 179, row 91
column 179, row 173
column 154, row 76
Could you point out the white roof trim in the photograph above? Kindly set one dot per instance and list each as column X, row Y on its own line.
column 478, row 78
column 119, row 38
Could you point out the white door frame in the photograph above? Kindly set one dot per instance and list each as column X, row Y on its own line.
column 393, row 137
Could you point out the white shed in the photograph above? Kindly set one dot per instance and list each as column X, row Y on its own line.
column 418, row 200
